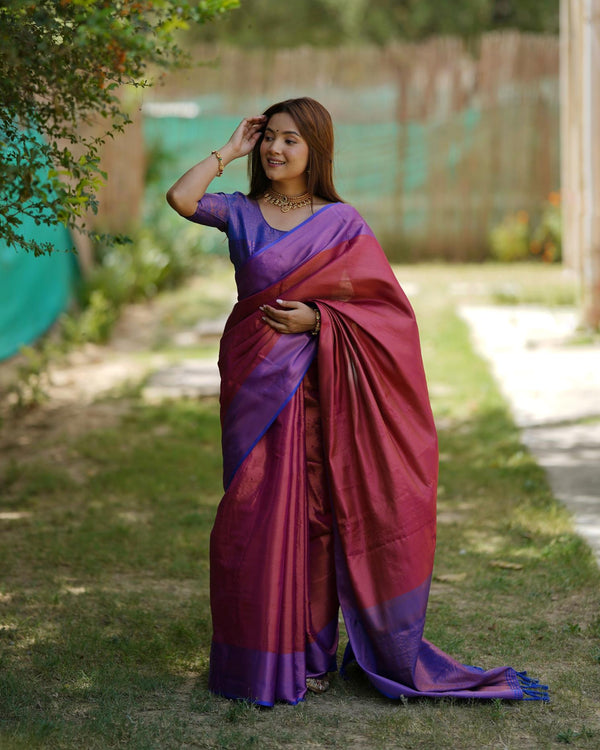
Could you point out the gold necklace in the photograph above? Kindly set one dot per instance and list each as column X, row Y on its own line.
column 287, row 203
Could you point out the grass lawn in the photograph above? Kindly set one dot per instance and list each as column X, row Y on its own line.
column 104, row 617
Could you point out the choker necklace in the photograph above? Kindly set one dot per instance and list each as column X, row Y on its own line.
column 287, row 202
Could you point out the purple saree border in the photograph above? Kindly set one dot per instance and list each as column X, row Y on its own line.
column 321, row 653
column 257, row 676
column 281, row 257
column 274, row 381
column 262, row 397
column 288, row 233
column 390, row 634
column 386, row 641
column 264, row 677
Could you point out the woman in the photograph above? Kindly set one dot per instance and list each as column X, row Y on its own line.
column 329, row 446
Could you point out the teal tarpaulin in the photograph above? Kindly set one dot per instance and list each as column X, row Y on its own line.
column 33, row 291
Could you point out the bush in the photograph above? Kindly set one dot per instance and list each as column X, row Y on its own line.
column 94, row 323
column 546, row 240
column 516, row 239
column 509, row 241
column 159, row 256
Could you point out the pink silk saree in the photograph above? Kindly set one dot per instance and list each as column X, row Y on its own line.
column 330, row 472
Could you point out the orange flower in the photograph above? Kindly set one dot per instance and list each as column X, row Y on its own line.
column 554, row 198
column 535, row 247
column 522, row 217
column 549, row 252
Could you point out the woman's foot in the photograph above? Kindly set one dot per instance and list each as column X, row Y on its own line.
column 317, row 684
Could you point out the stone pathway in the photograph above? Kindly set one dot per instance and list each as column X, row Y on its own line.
column 190, row 378
column 553, row 387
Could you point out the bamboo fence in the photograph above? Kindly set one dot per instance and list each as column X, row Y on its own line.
column 436, row 141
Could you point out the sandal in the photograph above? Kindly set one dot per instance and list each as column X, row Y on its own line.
column 317, row 684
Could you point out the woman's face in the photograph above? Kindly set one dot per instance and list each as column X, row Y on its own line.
column 283, row 151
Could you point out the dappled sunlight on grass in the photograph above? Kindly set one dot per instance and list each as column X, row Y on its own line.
column 482, row 542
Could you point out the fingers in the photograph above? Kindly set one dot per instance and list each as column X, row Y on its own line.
column 253, row 137
column 280, row 327
column 292, row 304
column 298, row 318
column 247, row 134
column 277, row 319
column 257, row 121
column 279, row 315
column 272, row 313
column 253, row 124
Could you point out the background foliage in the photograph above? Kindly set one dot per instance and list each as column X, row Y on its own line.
column 264, row 23
column 519, row 238
column 61, row 65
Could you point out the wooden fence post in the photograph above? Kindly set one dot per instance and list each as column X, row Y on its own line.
column 591, row 165
column 569, row 155
column 580, row 165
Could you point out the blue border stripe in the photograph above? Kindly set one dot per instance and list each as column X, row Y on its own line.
column 270, row 422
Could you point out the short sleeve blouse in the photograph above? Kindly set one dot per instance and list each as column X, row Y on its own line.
column 242, row 221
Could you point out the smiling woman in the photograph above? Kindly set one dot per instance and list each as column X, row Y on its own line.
column 284, row 153
column 329, row 446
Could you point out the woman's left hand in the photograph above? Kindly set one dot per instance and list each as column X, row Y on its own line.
column 295, row 318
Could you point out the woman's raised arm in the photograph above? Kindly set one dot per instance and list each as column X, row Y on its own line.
column 184, row 195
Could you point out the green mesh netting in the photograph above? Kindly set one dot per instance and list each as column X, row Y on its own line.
column 430, row 187
column 34, row 291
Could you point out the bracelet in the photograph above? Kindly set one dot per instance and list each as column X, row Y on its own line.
column 317, row 327
column 220, row 160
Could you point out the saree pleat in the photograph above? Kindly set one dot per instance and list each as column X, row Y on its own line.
column 330, row 473
column 258, row 570
column 322, row 606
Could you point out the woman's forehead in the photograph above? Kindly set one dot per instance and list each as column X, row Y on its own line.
column 282, row 122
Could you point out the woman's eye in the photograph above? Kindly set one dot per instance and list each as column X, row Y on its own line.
column 290, row 142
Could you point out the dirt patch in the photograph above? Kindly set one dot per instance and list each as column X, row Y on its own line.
column 72, row 389
column 38, row 435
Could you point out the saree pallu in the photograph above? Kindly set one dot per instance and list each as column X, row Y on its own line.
column 330, row 473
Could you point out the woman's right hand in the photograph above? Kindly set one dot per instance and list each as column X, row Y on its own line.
column 245, row 136
column 184, row 195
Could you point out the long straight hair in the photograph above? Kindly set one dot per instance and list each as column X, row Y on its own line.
column 314, row 124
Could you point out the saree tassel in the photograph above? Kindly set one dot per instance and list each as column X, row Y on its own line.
column 532, row 689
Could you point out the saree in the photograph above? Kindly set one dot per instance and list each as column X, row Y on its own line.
column 330, row 464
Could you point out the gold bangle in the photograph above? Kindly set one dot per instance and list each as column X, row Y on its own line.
column 317, row 327
column 220, row 160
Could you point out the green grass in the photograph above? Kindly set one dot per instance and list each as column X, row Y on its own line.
column 104, row 620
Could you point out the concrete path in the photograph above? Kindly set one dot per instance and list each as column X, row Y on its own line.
column 190, row 378
column 553, row 388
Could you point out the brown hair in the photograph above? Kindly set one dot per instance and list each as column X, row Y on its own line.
column 315, row 126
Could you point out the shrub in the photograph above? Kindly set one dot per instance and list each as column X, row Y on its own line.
column 509, row 241
column 158, row 256
column 546, row 240
column 94, row 323
column 516, row 239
